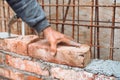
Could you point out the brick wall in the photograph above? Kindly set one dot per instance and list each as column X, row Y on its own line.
column 28, row 58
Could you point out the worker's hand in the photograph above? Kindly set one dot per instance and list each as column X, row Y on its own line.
column 55, row 37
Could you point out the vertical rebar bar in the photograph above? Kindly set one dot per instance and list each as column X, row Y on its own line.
column 49, row 10
column 96, row 31
column 43, row 4
column 8, row 19
column 73, row 27
column 57, row 14
column 43, row 9
column 78, row 22
column 97, row 23
column 112, row 32
column 91, row 28
column 62, row 28
column 65, row 16
column 4, row 16
column 94, row 52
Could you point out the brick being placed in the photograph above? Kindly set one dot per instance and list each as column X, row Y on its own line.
column 69, row 55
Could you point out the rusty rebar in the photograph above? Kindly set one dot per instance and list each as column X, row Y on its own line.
column 50, row 10
column 73, row 28
column 43, row 4
column 91, row 28
column 78, row 22
column 66, row 13
column 4, row 16
column 94, row 49
column 65, row 5
column 97, row 29
column 62, row 28
column 112, row 32
column 57, row 13
column 86, row 20
column 100, row 26
column 100, row 46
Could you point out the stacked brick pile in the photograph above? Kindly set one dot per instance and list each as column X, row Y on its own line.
column 29, row 58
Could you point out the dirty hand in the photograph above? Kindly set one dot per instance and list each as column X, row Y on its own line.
column 55, row 37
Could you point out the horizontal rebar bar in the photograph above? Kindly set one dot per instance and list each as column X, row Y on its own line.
column 71, row 5
column 100, row 26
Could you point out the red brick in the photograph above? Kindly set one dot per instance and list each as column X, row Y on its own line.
column 1, row 44
column 1, row 58
column 26, row 65
column 10, row 74
column 32, row 78
column 65, row 54
column 70, row 74
column 20, row 44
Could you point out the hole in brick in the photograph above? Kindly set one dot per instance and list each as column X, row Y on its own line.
column 82, row 55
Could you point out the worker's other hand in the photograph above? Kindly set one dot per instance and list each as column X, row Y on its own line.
column 55, row 37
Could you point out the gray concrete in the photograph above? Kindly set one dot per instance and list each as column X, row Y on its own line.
column 106, row 67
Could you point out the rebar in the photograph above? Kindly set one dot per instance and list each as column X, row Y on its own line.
column 57, row 13
column 66, row 13
column 112, row 32
column 91, row 28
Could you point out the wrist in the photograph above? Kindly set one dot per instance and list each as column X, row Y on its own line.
column 47, row 30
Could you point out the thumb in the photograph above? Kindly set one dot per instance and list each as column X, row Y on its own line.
column 53, row 48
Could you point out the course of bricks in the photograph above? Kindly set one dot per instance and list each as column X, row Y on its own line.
column 28, row 58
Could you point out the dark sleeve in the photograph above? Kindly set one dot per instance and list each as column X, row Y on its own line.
column 30, row 12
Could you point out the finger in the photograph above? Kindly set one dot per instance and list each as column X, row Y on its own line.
column 83, row 47
column 70, row 42
column 53, row 48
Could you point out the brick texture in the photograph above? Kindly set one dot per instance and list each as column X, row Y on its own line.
column 20, row 44
column 71, row 74
column 11, row 75
column 26, row 65
column 30, row 69
column 1, row 43
column 1, row 58
column 71, row 56
column 14, row 75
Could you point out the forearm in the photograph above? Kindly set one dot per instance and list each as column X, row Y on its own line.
column 30, row 12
